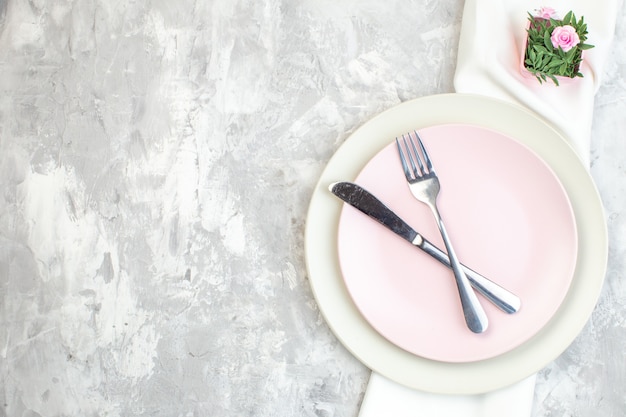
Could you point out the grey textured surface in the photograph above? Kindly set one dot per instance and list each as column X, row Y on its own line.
column 156, row 163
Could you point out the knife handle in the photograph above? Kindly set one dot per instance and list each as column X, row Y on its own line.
column 501, row 297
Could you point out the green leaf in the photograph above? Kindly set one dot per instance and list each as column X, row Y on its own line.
column 554, row 79
column 585, row 46
column 568, row 18
column 546, row 40
column 554, row 63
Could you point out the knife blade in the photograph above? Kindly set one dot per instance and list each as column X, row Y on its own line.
column 361, row 199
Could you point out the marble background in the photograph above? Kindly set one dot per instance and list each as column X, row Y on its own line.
column 156, row 164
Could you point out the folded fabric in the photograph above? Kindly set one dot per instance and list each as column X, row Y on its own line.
column 387, row 398
column 493, row 38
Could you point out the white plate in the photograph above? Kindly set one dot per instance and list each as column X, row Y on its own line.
column 381, row 355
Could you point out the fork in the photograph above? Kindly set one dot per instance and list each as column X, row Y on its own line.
column 424, row 185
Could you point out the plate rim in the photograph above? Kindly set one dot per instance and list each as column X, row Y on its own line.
column 376, row 352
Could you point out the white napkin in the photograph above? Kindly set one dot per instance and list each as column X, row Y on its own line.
column 385, row 398
column 491, row 48
column 490, row 51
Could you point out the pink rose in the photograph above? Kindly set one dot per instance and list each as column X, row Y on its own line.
column 565, row 37
column 546, row 13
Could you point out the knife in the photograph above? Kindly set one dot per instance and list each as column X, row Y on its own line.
column 364, row 201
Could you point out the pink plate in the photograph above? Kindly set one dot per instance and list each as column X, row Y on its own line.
column 509, row 218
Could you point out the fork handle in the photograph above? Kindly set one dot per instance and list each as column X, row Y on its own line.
column 475, row 316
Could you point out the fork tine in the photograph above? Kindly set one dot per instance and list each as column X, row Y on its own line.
column 418, row 173
column 429, row 164
column 405, row 167
column 416, row 153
